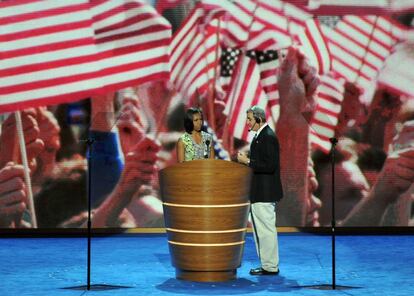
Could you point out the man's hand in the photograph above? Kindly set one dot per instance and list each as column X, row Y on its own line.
column 243, row 158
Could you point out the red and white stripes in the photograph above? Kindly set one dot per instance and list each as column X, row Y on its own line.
column 194, row 54
column 359, row 46
column 329, row 100
column 245, row 91
column 56, row 51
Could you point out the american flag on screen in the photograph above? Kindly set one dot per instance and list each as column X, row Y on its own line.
column 398, row 73
column 245, row 91
column 358, row 7
column 57, row 51
column 284, row 24
column 290, row 24
column 359, row 46
column 264, row 25
column 330, row 95
column 314, row 45
column 168, row 4
column 258, row 25
column 268, row 63
column 285, row 20
column 195, row 54
column 236, row 22
column 228, row 61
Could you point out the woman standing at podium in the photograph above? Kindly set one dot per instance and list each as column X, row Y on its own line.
column 194, row 143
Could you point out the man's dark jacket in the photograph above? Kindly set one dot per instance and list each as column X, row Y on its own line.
column 266, row 185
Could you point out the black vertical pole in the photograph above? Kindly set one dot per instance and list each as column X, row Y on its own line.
column 90, row 146
column 88, row 286
column 333, row 141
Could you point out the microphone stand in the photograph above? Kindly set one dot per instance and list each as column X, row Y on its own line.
column 89, row 142
column 333, row 141
column 206, row 156
column 333, row 286
column 95, row 287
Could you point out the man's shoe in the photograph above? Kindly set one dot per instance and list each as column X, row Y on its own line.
column 261, row 271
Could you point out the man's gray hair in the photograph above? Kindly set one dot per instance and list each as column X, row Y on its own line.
column 257, row 113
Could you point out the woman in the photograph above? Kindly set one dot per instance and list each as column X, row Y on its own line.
column 194, row 143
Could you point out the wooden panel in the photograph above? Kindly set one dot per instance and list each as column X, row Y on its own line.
column 205, row 182
column 206, row 238
column 206, row 218
column 206, row 258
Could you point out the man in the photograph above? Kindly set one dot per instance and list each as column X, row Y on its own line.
column 297, row 81
column 266, row 190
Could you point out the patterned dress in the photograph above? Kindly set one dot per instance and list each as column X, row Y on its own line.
column 192, row 150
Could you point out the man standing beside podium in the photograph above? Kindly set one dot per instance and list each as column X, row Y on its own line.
column 297, row 81
column 266, row 190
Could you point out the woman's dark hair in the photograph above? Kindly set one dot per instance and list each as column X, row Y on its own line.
column 188, row 119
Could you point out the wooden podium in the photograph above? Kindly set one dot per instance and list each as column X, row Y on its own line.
column 206, row 206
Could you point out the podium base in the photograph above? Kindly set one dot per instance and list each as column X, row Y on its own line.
column 96, row 287
column 205, row 276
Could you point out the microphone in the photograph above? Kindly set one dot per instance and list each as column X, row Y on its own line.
column 207, row 149
column 250, row 129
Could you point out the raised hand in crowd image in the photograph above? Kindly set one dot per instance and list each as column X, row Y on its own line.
column 59, row 187
column 358, row 164
column 131, row 129
column 352, row 111
column 313, row 203
column 194, row 143
column 9, row 143
column 369, row 184
column 13, row 196
column 114, row 181
column 298, row 82
column 350, row 183
column 144, row 205
column 391, row 184
column 49, row 131
column 139, row 170
column 381, row 119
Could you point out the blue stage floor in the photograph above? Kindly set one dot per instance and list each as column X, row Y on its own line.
column 378, row 265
